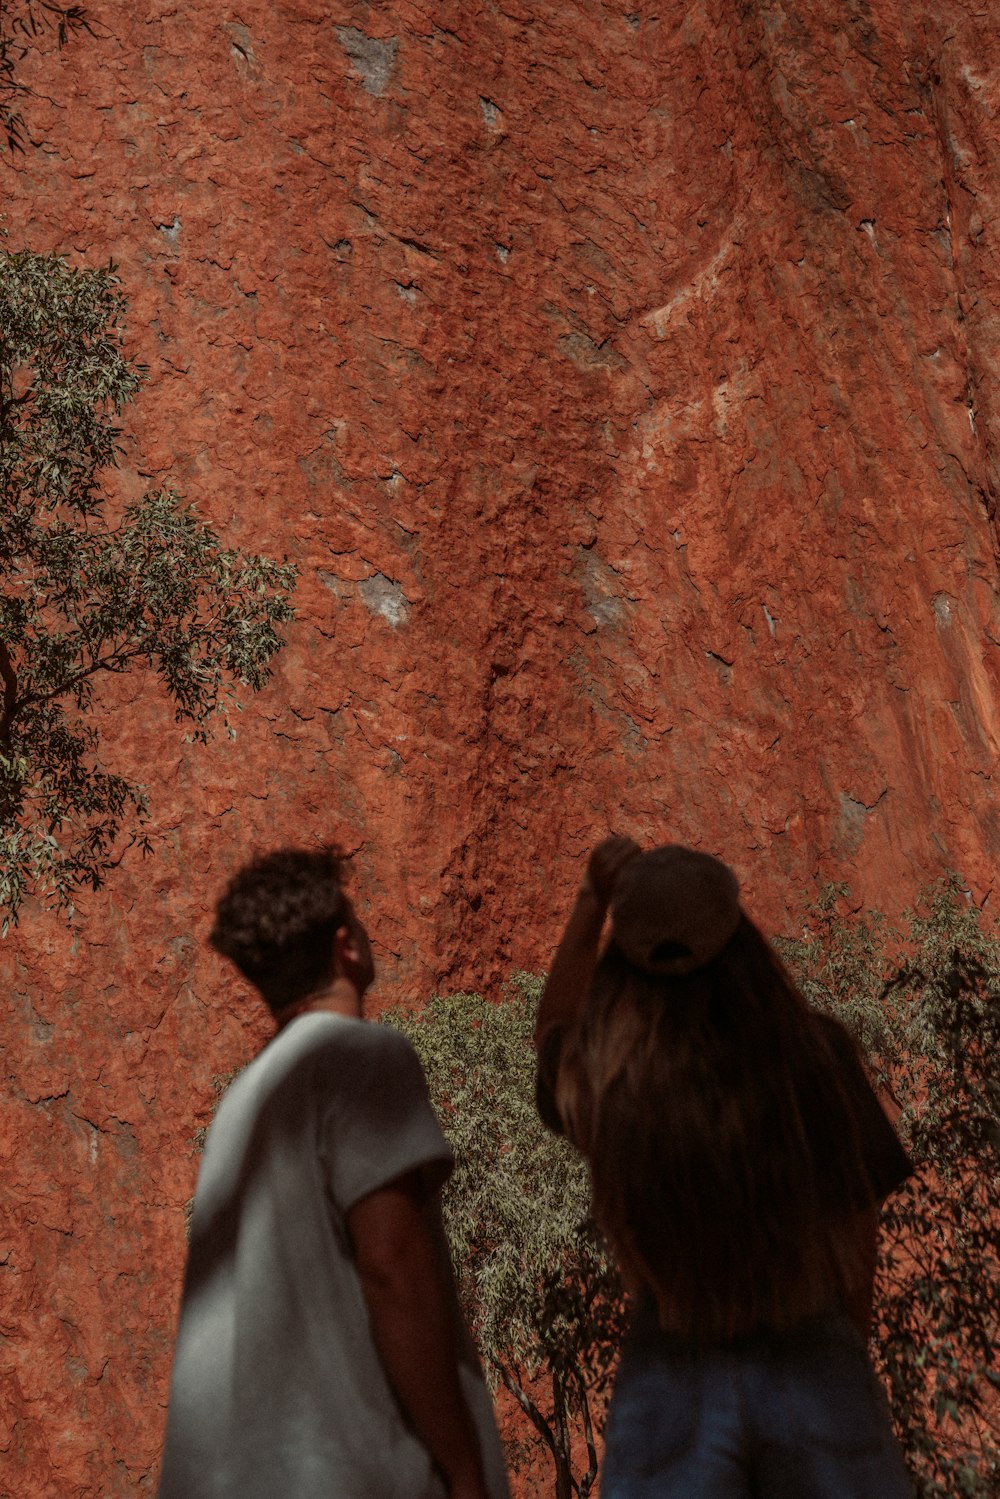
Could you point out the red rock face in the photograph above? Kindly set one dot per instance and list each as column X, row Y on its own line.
column 625, row 389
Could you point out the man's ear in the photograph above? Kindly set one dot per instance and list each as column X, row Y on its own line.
column 352, row 954
column 345, row 950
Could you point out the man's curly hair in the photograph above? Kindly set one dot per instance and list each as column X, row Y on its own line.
column 276, row 920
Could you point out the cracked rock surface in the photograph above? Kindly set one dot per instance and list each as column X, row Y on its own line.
column 626, row 391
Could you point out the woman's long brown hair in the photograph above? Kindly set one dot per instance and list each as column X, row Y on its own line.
column 727, row 1158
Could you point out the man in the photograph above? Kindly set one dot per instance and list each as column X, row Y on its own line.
column 321, row 1352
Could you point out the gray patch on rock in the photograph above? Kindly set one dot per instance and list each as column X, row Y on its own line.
column 339, row 587
column 587, row 354
column 490, row 112
column 850, row 830
column 722, row 667
column 381, row 596
column 942, row 608
column 602, row 589
column 240, row 46
column 852, row 814
column 371, row 59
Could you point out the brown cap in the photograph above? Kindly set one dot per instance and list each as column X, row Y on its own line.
column 674, row 909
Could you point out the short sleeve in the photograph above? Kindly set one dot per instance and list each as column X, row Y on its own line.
column 888, row 1163
column 377, row 1122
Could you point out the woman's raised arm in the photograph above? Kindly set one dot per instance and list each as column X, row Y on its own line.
column 576, row 956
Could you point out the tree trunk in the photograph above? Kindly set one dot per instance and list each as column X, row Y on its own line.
column 565, row 1487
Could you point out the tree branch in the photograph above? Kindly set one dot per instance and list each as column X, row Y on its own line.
column 530, row 1409
column 565, row 1482
column 587, row 1481
column 117, row 662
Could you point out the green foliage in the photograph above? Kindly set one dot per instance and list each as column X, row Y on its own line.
column 925, row 1004
column 22, row 24
column 86, row 593
column 542, row 1298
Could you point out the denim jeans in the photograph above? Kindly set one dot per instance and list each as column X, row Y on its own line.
column 779, row 1416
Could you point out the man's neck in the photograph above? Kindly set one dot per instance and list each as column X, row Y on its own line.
column 339, row 997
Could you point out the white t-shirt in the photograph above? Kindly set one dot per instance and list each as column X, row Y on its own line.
column 277, row 1390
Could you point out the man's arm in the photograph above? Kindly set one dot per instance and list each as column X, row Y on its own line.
column 576, row 956
column 411, row 1317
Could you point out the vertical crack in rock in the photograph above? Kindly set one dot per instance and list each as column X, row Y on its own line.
column 372, row 60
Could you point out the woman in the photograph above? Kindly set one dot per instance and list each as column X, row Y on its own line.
column 739, row 1159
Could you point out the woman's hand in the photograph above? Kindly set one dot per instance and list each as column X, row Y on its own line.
column 606, row 862
column 573, row 964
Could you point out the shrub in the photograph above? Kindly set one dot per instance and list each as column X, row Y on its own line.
column 542, row 1297
column 925, row 1004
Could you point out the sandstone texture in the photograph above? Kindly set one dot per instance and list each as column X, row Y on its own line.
column 623, row 380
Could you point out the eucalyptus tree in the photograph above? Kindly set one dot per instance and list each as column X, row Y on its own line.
column 91, row 587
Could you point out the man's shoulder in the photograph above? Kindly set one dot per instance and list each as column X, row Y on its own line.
column 325, row 1030
column 334, row 1046
column 335, row 1060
